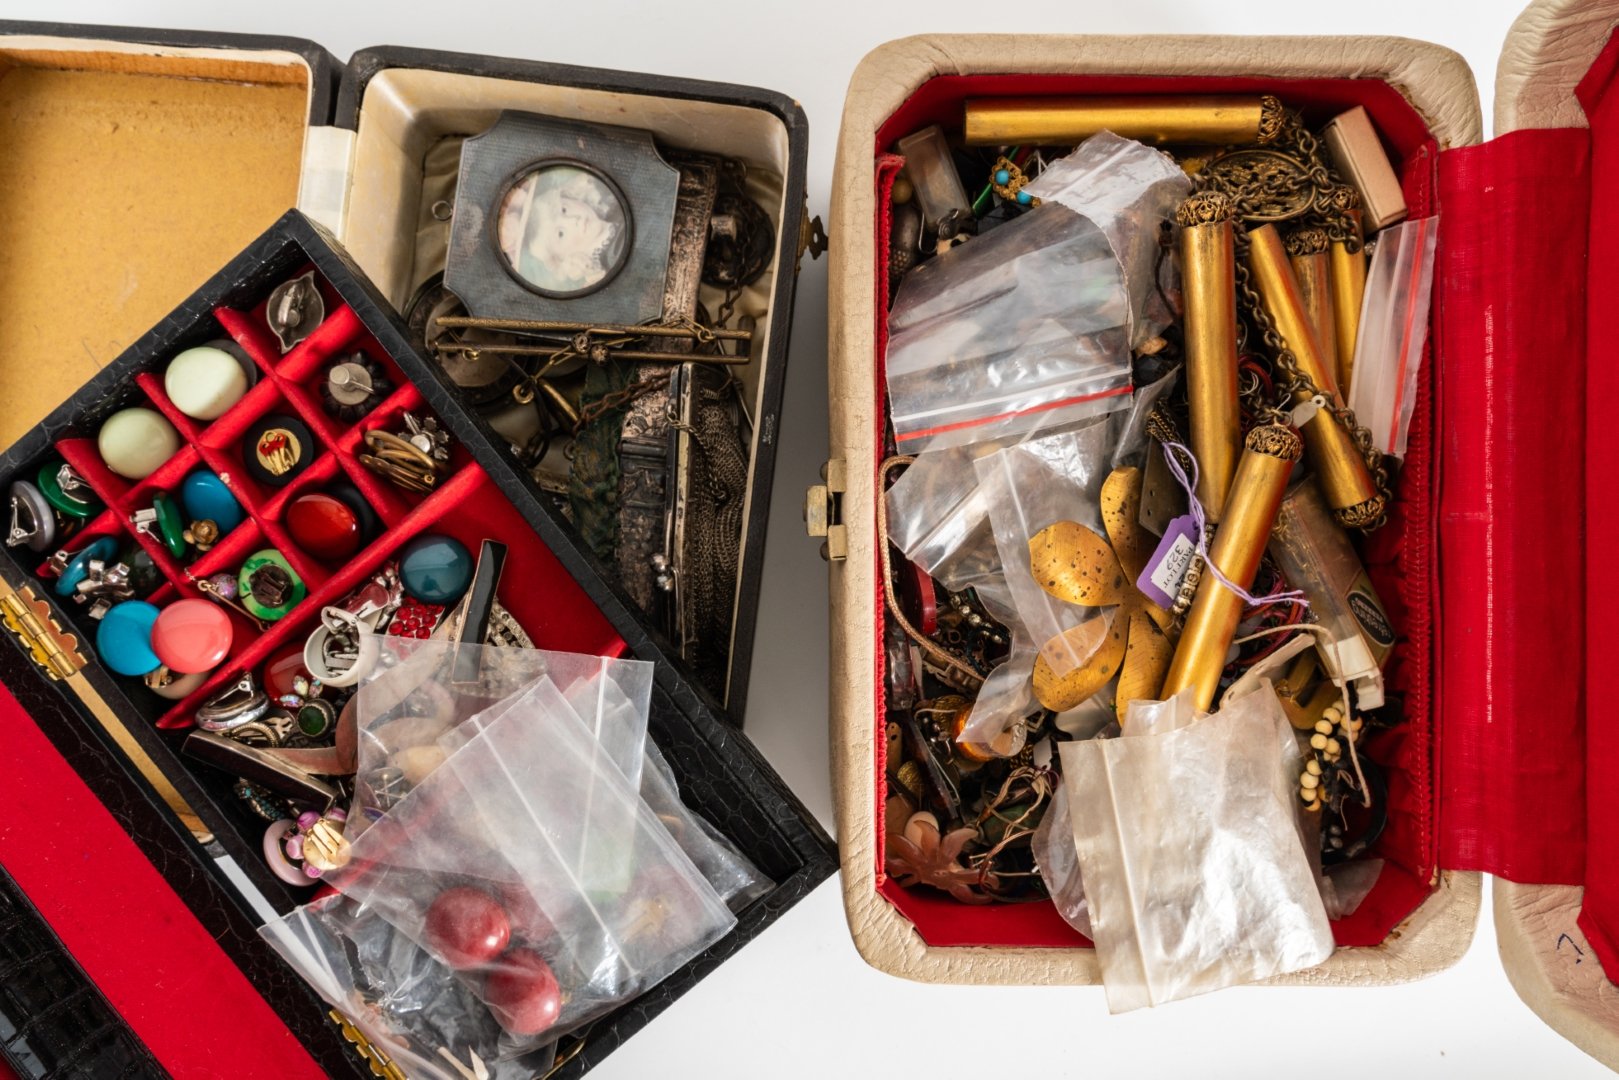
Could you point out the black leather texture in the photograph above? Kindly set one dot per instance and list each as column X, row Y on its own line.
column 54, row 1023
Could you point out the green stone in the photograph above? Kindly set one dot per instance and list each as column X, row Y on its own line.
column 314, row 720
column 70, row 504
column 170, row 527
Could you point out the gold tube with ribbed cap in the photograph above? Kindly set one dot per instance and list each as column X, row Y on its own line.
column 1048, row 121
column 1268, row 457
column 1348, row 281
column 1308, row 252
column 1208, row 282
column 1337, row 462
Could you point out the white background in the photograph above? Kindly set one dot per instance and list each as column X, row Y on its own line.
column 800, row 1002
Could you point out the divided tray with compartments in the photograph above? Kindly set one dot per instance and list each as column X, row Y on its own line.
column 367, row 149
column 1490, row 555
column 121, row 740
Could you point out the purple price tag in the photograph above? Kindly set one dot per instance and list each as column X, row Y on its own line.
column 1161, row 579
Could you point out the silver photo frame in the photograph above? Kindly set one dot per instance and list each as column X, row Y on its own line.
column 561, row 220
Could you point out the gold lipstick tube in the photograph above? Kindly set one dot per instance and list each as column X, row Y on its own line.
column 1209, row 283
column 1256, row 495
column 1307, row 252
column 1048, row 121
column 1348, row 290
column 1336, row 460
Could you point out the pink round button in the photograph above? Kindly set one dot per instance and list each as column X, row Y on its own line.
column 191, row 636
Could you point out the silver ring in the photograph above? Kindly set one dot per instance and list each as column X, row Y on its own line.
column 234, row 706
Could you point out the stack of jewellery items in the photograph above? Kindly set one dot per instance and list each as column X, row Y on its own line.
column 610, row 349
column 1271, row 258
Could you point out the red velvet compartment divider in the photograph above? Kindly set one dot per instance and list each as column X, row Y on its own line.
column 466, row 504
column 1400, row 557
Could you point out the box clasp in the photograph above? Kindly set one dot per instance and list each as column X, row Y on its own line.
column 823, row 512
column 52, row 648
column 811, row 237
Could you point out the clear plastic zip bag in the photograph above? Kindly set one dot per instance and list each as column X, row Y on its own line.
column 1129, row 190
column 1190, row 846
column 407, row 1004
column 611, row 698
column 1393, row 332
column 528, row 865
column 1021, row 328
column 422, row 690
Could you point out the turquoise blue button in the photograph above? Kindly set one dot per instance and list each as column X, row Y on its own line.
column 435, row 569
column 78, row 567
column 206, row 498
column 124, row 638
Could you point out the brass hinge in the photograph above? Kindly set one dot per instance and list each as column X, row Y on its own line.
column 381, row 1065
column 57, row 652
column 811, row 237
column 823, row 512
column 52, row 648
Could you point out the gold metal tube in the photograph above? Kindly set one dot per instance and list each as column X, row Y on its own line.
column 1045, row 121
column 1336, row 460
column 1348, row 290
column 1256, row 495
column 1209, row 283
column 1307, row 252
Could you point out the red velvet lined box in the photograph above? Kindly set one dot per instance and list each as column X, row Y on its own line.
column 1400, row 559
column 1489, row 558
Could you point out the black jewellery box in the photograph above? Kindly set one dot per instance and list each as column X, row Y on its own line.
column 361, row 150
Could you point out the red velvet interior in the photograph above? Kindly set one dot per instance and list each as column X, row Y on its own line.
column 1400, row 556
column 124, row 925
column 1600, row 917
column 536, row 589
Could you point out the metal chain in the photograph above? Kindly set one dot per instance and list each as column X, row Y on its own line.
column 1295, row 384
column 1327, row 206
column 618, row 400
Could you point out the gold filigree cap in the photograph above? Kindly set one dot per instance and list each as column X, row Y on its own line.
column 1307, row 241
column 1276, row 441
column 1363, row 515
column 1205, row 208
column 1271, row 118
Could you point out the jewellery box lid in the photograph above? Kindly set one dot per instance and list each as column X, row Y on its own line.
column 117, row 139
column 1555, row 101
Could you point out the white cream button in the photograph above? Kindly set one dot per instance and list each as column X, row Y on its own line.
column 203, row 382
column 134, row 442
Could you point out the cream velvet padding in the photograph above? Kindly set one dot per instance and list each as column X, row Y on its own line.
column 1437, row 83
column 406, row 157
